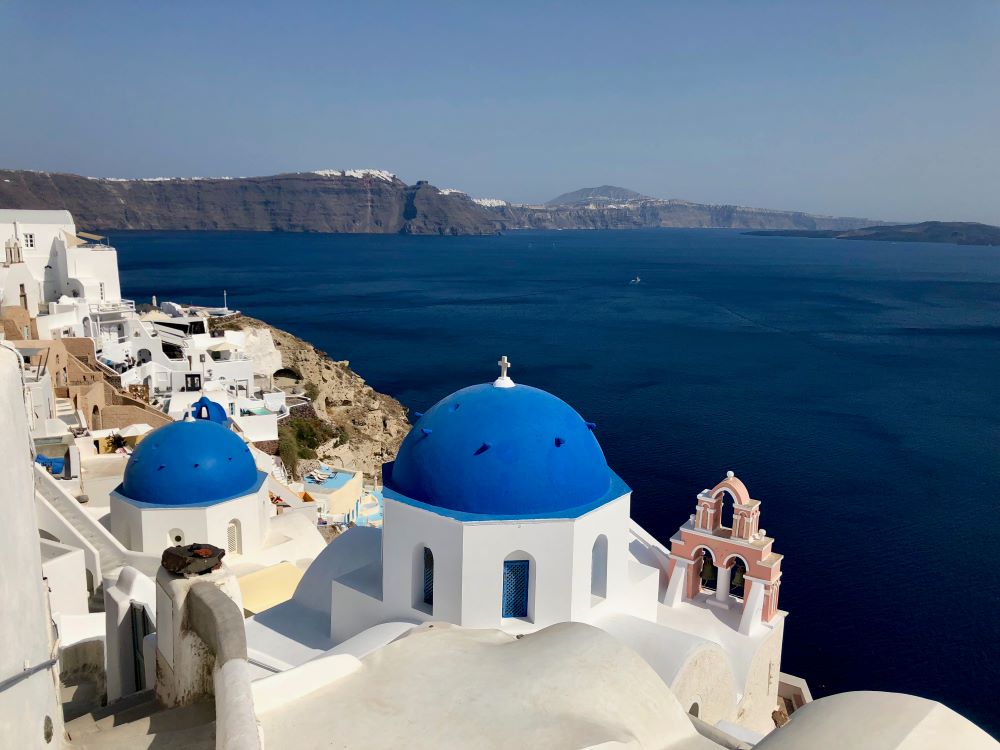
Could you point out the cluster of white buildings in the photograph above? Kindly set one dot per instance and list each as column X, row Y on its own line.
column 59, row 284
column 508, row 598
column 103, row 385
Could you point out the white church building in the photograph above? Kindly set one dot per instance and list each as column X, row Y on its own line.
column 501, row 512
column 191, row 481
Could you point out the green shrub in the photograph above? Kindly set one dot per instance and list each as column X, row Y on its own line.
column 299, row 437
column 288, row 450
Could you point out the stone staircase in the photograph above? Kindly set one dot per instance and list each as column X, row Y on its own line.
column 138, row 722
column 110, row 376
column 66, row 412
column 109, row 549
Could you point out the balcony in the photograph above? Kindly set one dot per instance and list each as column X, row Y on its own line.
column 105, row 307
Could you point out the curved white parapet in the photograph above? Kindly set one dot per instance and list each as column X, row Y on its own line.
column 281, row 689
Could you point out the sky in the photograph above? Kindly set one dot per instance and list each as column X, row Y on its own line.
column 885, row 110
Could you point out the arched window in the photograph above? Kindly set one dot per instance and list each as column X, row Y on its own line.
column 599, row 567
column 428, row 577
column 423, row 579
column 517, row 586
column 694, row 709
column 234, row 537
column 95, row 418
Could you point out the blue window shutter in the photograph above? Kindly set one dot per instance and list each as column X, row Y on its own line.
column 428, row 576
column 515, row 588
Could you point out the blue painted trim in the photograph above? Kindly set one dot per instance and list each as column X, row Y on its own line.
column 616, row 489
column 261, row 477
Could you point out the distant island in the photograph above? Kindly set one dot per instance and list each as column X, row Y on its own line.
column 366, row 201
column 953, row 232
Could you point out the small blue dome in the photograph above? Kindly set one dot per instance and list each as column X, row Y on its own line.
column 189, row 463
column 502, row 452
column 205, row 408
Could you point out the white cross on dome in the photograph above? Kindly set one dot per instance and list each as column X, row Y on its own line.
column 503, row 381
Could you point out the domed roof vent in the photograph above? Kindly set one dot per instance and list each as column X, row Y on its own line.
column 503, row 450
column 189, row 463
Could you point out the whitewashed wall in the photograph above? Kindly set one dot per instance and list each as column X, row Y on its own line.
column 468, row 570
column 11, row 279
column 130, row 586
column 406, row 531
column 32, row 702
column 86, row 268
column 151, row 530
column 47, row 228
column 64, row 568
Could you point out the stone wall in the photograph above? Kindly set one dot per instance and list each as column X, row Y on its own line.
column 15, row 320
column 119, row 416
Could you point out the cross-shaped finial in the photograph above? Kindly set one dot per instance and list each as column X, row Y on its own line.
column 504, row 380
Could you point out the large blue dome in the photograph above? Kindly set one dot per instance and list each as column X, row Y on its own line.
column 189, row 463
column 514, row 452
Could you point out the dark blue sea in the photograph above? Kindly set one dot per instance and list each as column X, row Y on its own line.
column 854, row 386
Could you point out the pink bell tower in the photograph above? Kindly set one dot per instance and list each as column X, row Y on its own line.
column 737, row 559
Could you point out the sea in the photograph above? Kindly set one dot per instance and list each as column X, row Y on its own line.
column 854, row 386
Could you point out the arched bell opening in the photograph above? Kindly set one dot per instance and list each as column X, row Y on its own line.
column 709, row 573
column 737, row 578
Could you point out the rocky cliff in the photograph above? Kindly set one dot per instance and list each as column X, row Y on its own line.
column 355, row 201
column 365, row 201
column 369, row 426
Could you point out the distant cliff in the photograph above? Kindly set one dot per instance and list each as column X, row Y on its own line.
column 365, row 201
column 953, row 232
column 650, row 213
column 359, row 201
column 611, row 207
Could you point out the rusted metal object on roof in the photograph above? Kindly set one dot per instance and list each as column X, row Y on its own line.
column 192, row 559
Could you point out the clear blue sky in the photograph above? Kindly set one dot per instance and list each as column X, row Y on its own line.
column 879, row 109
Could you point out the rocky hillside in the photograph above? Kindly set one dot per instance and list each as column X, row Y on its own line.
column 368, row 426
column 355, row 201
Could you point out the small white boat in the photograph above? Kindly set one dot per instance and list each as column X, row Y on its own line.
column 636, row 280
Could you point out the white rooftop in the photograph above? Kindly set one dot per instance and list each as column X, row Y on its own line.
column 440, row 686
column 35, row 216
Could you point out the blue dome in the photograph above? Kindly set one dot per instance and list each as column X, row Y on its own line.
column 189, row 463
column 514, row 452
